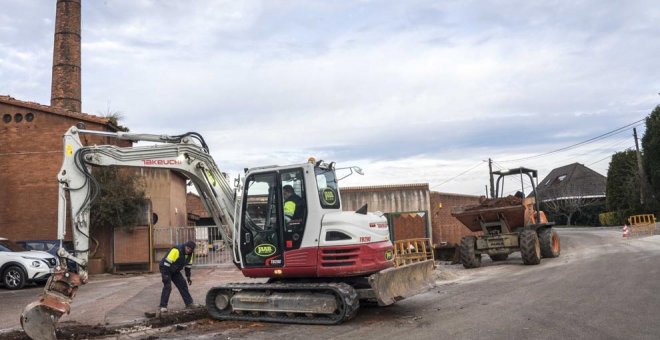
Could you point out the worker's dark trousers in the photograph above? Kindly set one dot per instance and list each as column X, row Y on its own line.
column 180, row 284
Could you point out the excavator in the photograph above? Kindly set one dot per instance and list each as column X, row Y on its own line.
column 319, row 267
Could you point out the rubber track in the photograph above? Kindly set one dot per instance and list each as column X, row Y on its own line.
column 347, row 299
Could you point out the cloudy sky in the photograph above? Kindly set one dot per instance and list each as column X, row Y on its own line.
column 411, row 91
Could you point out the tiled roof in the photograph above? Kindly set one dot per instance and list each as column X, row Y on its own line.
column 570, row 181
column 57, row 111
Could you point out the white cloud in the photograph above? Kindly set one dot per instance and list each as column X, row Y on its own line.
column 412, row 91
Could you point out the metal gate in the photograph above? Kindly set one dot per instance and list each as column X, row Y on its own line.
column 211, row 249
column 408, row 225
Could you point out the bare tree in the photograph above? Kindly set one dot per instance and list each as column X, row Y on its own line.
column 568, row 200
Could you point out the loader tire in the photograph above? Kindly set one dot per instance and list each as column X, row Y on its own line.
column 469, row 257
column 549, row 240
column 499, row 257
column 530, row 248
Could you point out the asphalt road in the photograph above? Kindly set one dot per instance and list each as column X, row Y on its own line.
column 601, row 287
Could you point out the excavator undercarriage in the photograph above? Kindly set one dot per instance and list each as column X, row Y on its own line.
column 322, row 303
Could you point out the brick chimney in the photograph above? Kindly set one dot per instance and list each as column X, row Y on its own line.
column 65, row 87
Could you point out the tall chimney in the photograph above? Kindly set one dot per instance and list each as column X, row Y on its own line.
column 65, row 87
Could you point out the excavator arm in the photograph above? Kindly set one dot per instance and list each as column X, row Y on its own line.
column 329, row 298
column 186, row 154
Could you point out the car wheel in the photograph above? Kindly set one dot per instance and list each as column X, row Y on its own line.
column 14, row 277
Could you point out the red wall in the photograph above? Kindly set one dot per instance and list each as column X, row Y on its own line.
column 445, row 227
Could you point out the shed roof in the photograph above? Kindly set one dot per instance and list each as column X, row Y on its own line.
column 388, row 187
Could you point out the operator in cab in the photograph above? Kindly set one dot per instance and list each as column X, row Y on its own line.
column 179, row 257
column 293, row 205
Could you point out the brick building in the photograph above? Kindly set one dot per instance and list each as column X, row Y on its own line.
column 447, row 230
column 31, row 155
column 196, row 207
column 32, row 151
column 407, row 207
column 407, row 202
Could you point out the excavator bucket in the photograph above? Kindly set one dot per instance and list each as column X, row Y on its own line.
column 394, row 284
column 38, row 321
column 39, row 318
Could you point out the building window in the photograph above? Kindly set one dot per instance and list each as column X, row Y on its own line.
column 29, row 117
column 6, row 118
column 18, row 117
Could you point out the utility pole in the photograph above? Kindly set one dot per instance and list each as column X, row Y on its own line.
column 642, row 176
column 492, row 180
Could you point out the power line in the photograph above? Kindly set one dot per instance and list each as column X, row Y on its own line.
column 459, row 175
column 594, row 150
column 585, row 142
column 602, row 159
column 590, row 140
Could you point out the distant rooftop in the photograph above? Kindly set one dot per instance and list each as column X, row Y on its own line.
column 570, row 181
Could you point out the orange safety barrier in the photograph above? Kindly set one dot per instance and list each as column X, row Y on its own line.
column 411, row 251
column 642, row 224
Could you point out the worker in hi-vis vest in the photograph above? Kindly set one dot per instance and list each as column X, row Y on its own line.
column 170, row 266
column 294, row 205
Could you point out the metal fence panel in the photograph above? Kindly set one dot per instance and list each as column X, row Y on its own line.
column 210, row 250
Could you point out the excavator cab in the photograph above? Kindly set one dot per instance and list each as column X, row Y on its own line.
column 282, row 210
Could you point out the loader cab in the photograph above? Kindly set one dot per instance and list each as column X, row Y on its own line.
column 532, row 176
column 279, row 204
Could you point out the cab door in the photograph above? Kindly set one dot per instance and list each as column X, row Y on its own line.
column 294, row 220
column 261, row 232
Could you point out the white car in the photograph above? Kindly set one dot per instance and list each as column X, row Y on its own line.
column 18, row 266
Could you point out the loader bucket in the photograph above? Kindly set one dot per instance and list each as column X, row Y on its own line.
column 394, row 284
column 38, row 321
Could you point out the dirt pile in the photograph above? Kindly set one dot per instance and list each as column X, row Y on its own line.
column 74, row 330
column 496, row 203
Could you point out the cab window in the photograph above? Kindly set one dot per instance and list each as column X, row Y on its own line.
column 293, row 194
column 327, row 184
column 294, row 207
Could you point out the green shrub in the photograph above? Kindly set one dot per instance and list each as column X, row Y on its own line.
column 613, row 217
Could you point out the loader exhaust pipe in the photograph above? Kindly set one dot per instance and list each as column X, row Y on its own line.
column 39, row 318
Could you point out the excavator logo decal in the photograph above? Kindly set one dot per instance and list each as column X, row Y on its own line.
column 328, row 196
column 162, row 162
column 265, row 250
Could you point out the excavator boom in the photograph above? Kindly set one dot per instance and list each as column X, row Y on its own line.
column 186, row 154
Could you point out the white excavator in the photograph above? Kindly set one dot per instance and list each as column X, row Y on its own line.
column 320, row 265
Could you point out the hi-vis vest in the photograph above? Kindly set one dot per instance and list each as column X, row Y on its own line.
column 177, row 259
